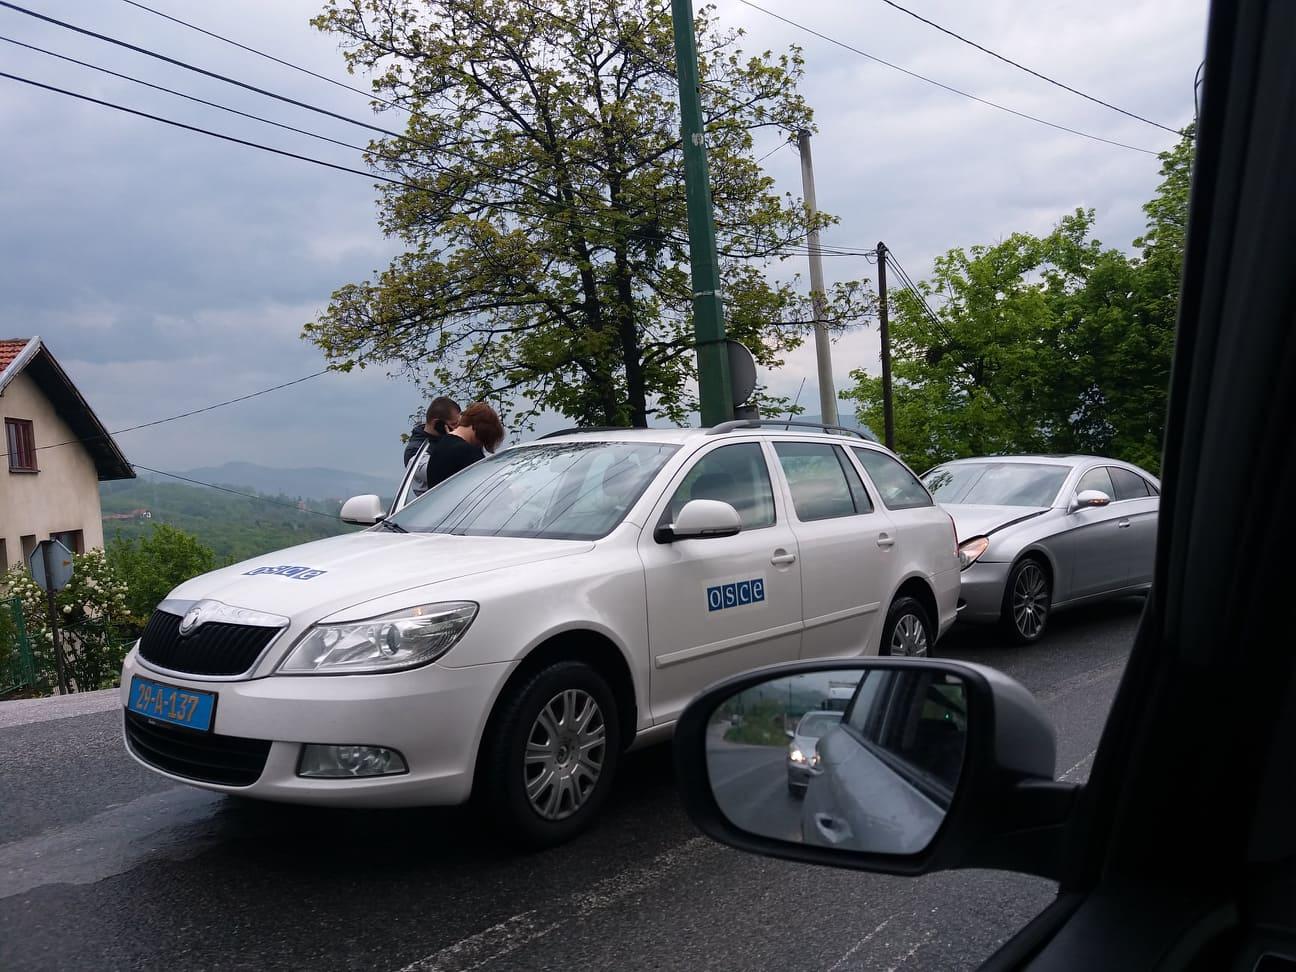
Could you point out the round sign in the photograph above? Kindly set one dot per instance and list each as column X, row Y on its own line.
column 742, row 371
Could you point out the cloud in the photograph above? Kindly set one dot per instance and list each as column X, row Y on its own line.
column 168, row 270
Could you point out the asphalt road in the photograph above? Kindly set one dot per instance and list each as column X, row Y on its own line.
column 105, row 866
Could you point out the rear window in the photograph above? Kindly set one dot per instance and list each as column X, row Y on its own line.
column 900, row 488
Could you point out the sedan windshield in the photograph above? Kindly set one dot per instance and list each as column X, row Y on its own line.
column 816, row 724
column 997, row 483
column 565, row 491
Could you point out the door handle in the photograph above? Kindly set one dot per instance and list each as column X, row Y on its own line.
column 1122, row 524
column 782, row 558
column 885, row 540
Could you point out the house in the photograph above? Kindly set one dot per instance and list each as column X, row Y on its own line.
column 55, row 454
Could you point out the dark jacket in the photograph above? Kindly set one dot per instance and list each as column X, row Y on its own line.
column 418, row 435
column 448, row 455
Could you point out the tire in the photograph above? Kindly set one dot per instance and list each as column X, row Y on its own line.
column 1028, row 601
column 533, row 715
column 908, row 630
column 797, row 790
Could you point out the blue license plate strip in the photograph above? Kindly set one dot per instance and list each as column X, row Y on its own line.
column 171, row 704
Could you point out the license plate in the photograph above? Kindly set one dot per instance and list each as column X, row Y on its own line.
column 169, row 703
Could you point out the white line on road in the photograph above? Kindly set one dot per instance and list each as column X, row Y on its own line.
column 522, row 929
column 858, row 945
column 1086, row 759
column 912, row 951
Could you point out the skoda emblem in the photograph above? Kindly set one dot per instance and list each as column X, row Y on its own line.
column 191, row 620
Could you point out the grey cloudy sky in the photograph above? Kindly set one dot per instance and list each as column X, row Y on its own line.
column 167, row 270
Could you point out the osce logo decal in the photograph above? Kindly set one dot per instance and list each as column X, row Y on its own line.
column 736, row 594
column 296, row 573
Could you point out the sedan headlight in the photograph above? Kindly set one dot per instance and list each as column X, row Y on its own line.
column 402, row 639
column 970, row 550
column 797, row 756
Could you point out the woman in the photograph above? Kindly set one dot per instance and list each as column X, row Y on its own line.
column 479, row 431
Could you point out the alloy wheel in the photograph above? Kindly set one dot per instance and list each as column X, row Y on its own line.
column 564, row 754
column 909, row 637
column 1030, row 601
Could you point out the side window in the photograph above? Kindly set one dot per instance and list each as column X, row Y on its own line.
column 815, row 474
column 1128, row 485
column 735, row 474
column 900, row 488
column 1097, row 479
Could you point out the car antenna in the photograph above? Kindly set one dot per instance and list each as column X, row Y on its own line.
column 792, row 410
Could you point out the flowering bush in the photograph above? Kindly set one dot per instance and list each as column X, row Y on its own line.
column 91, row 616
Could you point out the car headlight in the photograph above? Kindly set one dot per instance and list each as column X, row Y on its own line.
column 797, row 756
column 403, row 639
column 970, row 550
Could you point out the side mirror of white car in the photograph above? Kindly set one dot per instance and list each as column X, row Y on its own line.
column 701, row 518
column 1090, row 497
column 364, row 510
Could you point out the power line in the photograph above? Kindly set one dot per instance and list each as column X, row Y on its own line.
column 269, row 57
column 238, row 492
column 191, row 412
column 941, row 84
column 187, row 97
column 1023, row 67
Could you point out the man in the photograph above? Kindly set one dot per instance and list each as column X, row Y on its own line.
column 442, row 416
column 480, row 431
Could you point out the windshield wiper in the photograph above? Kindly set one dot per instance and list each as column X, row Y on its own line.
column 393, row 527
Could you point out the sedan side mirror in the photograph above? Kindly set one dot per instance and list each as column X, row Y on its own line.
column 934, row 765
column 364, row 510
column 1090, row 498
column 701, row 518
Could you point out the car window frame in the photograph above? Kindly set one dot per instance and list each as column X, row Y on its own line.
column 856, row 447
column 845, row 469
column 660, row 510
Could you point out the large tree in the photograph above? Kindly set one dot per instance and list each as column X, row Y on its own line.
column 1041, row 344
column 541, row 203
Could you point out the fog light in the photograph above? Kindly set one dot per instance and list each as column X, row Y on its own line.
column 346, row 762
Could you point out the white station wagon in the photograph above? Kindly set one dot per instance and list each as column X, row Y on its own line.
column 511, row 632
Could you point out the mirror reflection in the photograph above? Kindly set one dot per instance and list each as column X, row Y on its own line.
column 862, row 759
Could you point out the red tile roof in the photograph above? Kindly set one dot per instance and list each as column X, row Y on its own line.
column 10, row 350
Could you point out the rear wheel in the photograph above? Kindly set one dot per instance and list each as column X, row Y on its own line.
column 1028, row 598
column 908, row 630
column 551, row 757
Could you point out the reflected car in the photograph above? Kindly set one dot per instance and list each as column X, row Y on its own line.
column 885, row 776
column 1040, row 533
column 802, row 754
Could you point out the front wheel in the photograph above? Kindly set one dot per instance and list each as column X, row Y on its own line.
column 1028, row 597
column 908, row 630
column 551, row 757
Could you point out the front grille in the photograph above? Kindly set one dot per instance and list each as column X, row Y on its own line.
column 203, row 756
column 214, row 648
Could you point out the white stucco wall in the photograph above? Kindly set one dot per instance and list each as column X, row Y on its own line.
column 63, row 495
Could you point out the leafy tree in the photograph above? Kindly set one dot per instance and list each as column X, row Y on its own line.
column 151, row 566
column 1041, row 344
column 542, row 203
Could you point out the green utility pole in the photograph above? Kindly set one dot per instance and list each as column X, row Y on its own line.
column 708, row 307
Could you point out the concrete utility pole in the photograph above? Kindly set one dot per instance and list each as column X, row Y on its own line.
column 823, row 348
column 888, row 420
column 708, row 306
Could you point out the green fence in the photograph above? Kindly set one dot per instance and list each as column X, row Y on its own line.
column 18, row 671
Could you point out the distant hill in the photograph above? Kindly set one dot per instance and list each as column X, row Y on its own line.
column 235, row 527
column 310, row 483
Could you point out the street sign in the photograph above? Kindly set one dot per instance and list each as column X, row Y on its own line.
column 53, row 571
column 742, row 371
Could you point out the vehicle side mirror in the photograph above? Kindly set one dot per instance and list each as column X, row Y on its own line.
column 364, row 510
column 789, row 733
column 934, row 765
column 1090, row 498
column 701, row 518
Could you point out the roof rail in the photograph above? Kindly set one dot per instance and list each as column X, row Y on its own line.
column 583, row 428
column 786, row 424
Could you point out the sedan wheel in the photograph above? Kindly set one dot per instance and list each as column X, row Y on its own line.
column 907, row 632
column 564, row 754
column 1027, row 602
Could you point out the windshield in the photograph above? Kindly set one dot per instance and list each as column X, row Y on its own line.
column 567, row 491
column 817, row 723
column 997, row 483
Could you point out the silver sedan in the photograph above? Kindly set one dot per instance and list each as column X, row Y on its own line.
column 1039, row 533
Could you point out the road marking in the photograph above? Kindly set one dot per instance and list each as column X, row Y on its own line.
column 858, row 945
column 522, row 929
column 1083, row 680
column 912, row 950
column 1086, row 759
